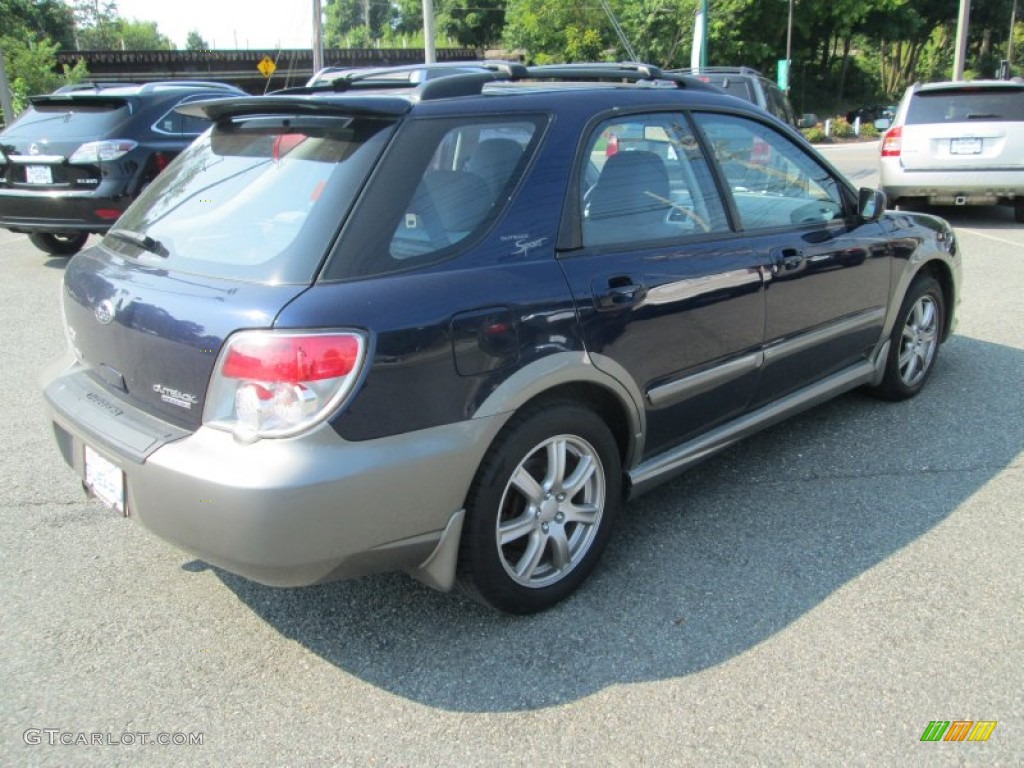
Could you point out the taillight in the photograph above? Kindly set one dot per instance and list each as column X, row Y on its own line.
column 892, row 141
column 101, row 151
column 278, row 384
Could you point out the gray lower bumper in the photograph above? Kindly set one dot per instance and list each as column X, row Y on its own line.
column 286, row 512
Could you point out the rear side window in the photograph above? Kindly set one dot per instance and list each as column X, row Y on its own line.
column 257, row 199
column 965, row 105
column 69, row 119
column 439, row 187
column 645, row 178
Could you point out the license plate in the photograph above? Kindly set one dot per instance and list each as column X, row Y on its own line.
column 104, row 480
column 965, row 146
column 38, row 174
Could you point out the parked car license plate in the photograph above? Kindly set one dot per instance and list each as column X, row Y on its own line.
column 104, row 480
column 965, row 146
column 38, row 174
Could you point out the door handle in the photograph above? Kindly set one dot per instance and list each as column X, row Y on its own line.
column 621, row 292
column 786, row 258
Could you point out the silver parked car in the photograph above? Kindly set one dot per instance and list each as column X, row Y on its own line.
column 957, row 143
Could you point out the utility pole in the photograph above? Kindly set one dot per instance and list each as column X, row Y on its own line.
column 704, row 34
column 789, row 46
column 429, row 55
column 318, row 39
column 961, row 40
column 1013, row 24
column 5, row 93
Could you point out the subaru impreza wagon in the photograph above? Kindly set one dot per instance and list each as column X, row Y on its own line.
column 451, row 329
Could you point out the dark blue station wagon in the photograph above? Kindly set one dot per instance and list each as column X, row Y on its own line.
column 452, row 328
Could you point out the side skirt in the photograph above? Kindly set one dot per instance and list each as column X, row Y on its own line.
column 665, row 466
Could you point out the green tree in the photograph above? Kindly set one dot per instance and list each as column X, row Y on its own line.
column 121, row 34
column 30, row 35
column 476, row 25
column 540, row 26
column 342, row 19
column 195, row 42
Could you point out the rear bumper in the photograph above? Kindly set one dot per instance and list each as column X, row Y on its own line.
column 27, row 210
column 948, row 187
column 286, row 512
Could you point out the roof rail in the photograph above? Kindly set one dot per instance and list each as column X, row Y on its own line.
column 90, row 85
column 741, row 70
column 464, row 84
column 621, row 70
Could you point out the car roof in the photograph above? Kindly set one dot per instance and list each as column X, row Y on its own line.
column 548, row 87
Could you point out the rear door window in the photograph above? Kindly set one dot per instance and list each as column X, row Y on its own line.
column 645, row 178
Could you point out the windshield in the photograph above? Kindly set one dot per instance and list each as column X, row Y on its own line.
column 68, row 119
column 257, row 199
column 966, row 104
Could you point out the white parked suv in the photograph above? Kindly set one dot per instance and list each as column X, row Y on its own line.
column 957, row 143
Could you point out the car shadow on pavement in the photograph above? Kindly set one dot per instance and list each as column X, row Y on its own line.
column 988, row 216
column 699, row 571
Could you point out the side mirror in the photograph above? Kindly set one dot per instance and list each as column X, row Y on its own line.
column 870, row 204
column 883, row 123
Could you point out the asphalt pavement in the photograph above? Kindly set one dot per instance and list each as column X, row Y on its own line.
column 816, row 595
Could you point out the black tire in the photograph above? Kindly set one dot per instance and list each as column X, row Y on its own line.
column 62, row 244
column 1018, row 210
column 565, row 526
column 915, row 341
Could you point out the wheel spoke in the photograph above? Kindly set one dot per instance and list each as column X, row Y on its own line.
column 560, row 555
column 587, row 514
column 585, row 469
column 532, row 556
column 556, row 450
column 528, row 486
column 521, row 526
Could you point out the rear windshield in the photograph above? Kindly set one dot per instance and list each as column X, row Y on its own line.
column 257, row 199
column 68, row 119
column 734, row 86
column 963, row 105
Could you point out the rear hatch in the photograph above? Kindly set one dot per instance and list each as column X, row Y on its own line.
column 976, row 128
column 234, row 229
column 40, row 142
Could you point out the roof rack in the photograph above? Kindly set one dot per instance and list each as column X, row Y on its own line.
column 468, row 78
column 89, row 85
column 741, row 70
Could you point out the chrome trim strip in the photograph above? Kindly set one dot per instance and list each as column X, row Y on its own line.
column 698, row 383
column 850, row 324
column 666, row 465
column 35, row 159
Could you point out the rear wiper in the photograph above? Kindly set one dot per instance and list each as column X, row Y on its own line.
column 982, row 116
column 145, row 242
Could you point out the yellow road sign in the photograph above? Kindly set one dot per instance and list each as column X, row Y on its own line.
column 267, row 67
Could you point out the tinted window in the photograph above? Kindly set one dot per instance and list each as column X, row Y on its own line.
column 733, row 85
column 773, row 182
column 256, row 200
column 69, row 118
column 965, row 104
column 647, row 179
column 441, row 184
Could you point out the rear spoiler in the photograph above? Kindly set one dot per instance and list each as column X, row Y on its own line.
column 370, row 106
